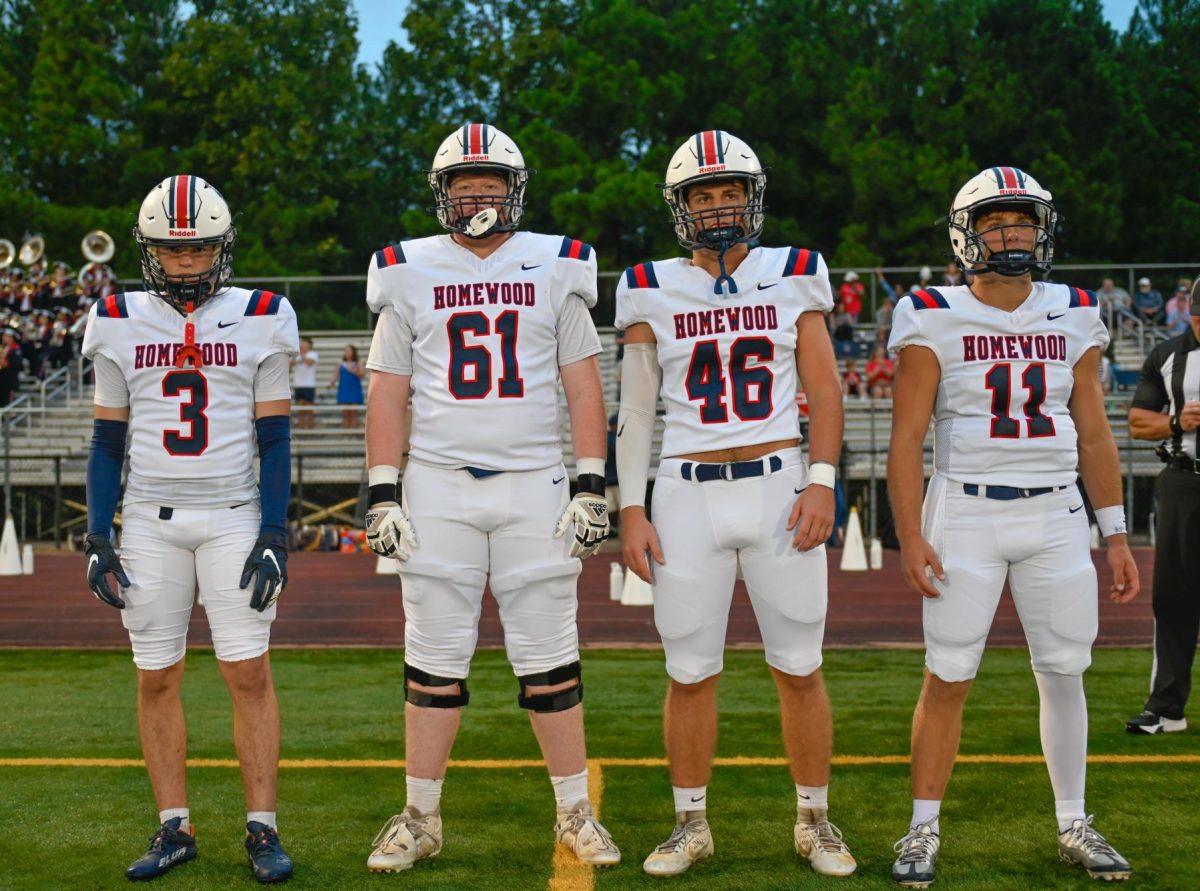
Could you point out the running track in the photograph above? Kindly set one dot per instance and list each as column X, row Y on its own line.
column 338, row 600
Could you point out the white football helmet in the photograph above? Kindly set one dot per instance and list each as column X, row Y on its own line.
column 185, row 211
column 478, row 148
column 713, row 156
column 994, row 189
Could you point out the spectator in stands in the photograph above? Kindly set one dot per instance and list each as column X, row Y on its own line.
column 305, row 382
column 348, row 379
column 880, row 371
column 1106, row 371
column 1179, row 310
column 851, row 293
column 953, row 276
column 883, row 319
column 10, row 365
column 843, row 322
column 925, row 276
column 1148, row 303
column 1114, row 304
column 853, row 383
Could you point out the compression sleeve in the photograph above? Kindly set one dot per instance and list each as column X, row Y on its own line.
column 641, row 378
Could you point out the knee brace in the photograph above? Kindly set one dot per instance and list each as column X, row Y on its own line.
column 424, row 699
column 558, row 701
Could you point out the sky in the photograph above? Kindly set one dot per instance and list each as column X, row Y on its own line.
column 379, row 22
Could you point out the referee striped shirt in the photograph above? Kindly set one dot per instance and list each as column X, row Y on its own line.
column 1170, row 377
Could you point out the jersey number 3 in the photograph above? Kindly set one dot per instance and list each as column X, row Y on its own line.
column 470, row 374
column 191, row 388
column 999, row 381
column 750, row 385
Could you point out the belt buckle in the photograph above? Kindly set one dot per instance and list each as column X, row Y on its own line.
column 1024, row 493
column 726, row 472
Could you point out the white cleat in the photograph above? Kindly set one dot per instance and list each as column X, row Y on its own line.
column 916, row 865
column 691, row 841
column 406, row 838
column 580, row 831
column 1084, row 845
column 821, row 842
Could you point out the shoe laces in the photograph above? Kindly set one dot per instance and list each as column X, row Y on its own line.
column 165, row 834
column 828, row 837
column 393, row 826
column 917, row 846
column 1083, row 835
column 579, row 820
column 265, row 841
column 678, row 839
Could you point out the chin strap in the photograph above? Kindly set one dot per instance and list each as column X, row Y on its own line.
column 721, row 240
column 189, row 352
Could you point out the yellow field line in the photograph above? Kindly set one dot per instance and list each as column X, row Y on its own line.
column 569, row 873
column 595, row 765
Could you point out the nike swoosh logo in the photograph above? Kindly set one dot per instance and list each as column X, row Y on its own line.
column 225, row 324
column 1075, row 509
column 620, row 430
column 559, row 480
column 802, row 795
column 799, row 489
column 763, row 287
column 1050, row 317
column 697, row 798
column 527, row 267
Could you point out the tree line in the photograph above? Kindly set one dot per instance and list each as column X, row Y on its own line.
column 868, row 115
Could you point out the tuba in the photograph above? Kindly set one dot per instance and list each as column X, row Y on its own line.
column 8, row 253
column 32, row 250
column 97, row 246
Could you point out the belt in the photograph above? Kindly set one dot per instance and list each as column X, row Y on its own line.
column 1007, row 493
column 732, row 470
column 1183, row 462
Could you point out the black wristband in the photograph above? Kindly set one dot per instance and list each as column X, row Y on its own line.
column 592, row 483
column 1176, row 425
column 384, row 492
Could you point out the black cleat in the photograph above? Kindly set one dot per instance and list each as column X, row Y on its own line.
column 169, row 847
column 268, row 859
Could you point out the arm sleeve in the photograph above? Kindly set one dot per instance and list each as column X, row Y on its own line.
column 1151, row 393
column 392, row 344
column 105, row 458
column 271, row 381
column 577, row 337
column 112, row 390
column 641, row 378
column 274, row 435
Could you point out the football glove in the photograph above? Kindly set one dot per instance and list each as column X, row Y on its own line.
column 101, row 560
column 267, row 565
column 390, row 532
column 588, row 510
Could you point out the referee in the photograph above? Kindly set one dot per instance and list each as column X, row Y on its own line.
column 1170, row 383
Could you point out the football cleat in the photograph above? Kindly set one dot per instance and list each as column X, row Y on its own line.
column 406, row 838
column 1084, row 845
column 268, row 859
column 690, row 841
column 169, row 847
column 918, row 852
column 1148, row 722
column 821, row 842
column 579, row 830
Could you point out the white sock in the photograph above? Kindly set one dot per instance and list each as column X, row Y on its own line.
column 267, row 818
column 812, row 797
column 689, row 798
column 924, row 810
column 424, row 795
column 1064, row 727
column 171, row 813
column 569, row 791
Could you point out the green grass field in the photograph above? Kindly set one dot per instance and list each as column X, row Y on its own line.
column 77, row 827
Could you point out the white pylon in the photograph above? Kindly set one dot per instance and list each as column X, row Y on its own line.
column 10, row 551
column 27, row 560
column 854, row 551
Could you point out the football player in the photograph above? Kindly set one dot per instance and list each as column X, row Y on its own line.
column 194, row 372
column 478, row 326
column 1008, row 368
column 723, row 334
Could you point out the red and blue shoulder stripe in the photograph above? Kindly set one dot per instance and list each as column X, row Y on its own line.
column 389, row 256
column 1081, row 297
column 928, row 298
column 801, row 261
column 263, row 303
column 641, row 276
column 112, row 307
column 574, row 249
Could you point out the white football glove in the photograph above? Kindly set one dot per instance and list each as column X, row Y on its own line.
column 390, row 532
column 589, row 513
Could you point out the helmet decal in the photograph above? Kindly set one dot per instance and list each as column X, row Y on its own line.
column 1000, row 188
column 479, row 148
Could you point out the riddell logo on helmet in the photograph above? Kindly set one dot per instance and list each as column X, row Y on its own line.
column 475, row 157
column 712, row 168
column 182, row 233
column 1014, row 192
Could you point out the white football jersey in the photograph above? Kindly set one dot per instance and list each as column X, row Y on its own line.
column 484, row 343
column 728, row 360
column 191, row 428
column 1001, row 414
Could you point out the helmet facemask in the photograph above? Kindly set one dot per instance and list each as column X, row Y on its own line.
column 194, row 287
column 720, row 228
column 479, row 215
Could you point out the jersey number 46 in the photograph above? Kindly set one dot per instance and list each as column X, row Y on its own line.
column 748, row 387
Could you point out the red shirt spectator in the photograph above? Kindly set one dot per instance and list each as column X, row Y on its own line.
column 851, row 293
column 880, row 371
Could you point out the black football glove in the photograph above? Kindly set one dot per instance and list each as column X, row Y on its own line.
column 101, row 560
column 267, row 565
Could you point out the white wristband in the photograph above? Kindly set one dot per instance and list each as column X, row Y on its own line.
column 382, row 475
column 822, row 473
column 589, row 465
column 1111, row 520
